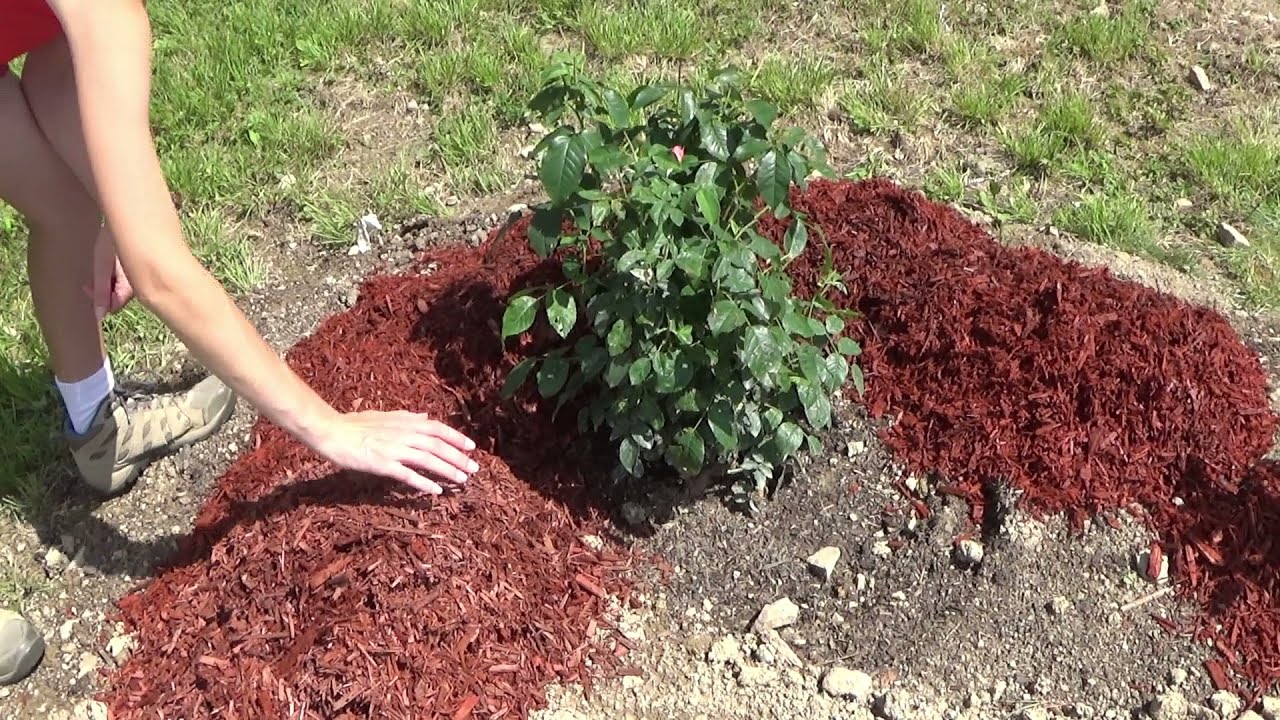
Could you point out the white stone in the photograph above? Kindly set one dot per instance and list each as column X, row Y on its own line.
column 89, row 663
column 1270, row 707
column 1168, row 706
column 1229, row 236
column 777, row 614
column 823, row 562
column 120, row 646
column 969, row 552
column 726, row 649
column 1200, row 79
column 1177, row 676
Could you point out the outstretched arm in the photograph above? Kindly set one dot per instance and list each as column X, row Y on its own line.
column 110, row 44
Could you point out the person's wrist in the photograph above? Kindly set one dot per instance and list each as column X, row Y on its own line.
column 316, row 425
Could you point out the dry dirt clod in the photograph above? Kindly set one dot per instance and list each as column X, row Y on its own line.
column 725, row 650
column 1229, row 236
column 1249, row 715
column 823, row 562
column 1270, row 707
column 845, row 683
column 1171, row 705
column 1226, row 704
column 1034, row 713
column 90, row 710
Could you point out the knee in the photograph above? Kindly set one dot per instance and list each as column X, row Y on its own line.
column 65, row 217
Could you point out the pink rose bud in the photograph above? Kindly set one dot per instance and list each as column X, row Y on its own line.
column 678, row 151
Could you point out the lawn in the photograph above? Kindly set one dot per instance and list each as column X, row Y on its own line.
column 1029, row 111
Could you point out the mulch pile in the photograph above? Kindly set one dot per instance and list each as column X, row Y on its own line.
column 1085, row 392
column 304, row 593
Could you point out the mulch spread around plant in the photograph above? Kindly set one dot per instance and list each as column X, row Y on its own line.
column 305, row 593
column 1085, row 392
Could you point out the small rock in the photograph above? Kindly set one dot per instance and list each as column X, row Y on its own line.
column 593, row 542
column 351, row 297
column 1177, row 677
column 1226, row 704
column 517, row 209
column 892, row 705
column 120, row 646
column 765, row 655
column 1228, row 236
column 67, row 629
column 1270, row 707
column 781, row 650
column 969, row 552
column 537, row 128
column 846, row 683
column 411, row 106
column 90, row 710
column 1059, row 605
column 725, row 650
column 1200, row 79
column 631, row 682
column 1034, row 713
column 55, row 560
column 855, row 448
column 777, row 614
column 1182, row 204
column 1249, row 715
column 823, row 562
column 1168, row 706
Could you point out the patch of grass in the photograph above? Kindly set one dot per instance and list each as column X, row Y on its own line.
column 1122, row 221
column 664, row 28
column 907, row 28
column 1241, row 169
column 1065, row 126
column 882, row 101
column 1107, row 38
column 792, row 83
column 945, row 184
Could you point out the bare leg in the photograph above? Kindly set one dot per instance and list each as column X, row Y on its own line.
column 64, row 220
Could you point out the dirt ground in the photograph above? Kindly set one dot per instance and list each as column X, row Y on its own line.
column 1044, row 625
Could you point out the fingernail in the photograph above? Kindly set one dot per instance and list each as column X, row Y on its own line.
column 471, row 444
column 462, row 477
column 473, row 466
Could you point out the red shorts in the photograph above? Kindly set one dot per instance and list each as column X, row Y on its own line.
column 24, row 26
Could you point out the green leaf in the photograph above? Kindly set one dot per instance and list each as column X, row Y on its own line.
column 714, row 136
column 817, row 406
column 629, row 456
column 619, row 338
column 855, row 372
column 837, row 369
column 811, row 364
column 774, row 179
column 797, row 237
column 643, row 97
column 775, row 287
column 640, row 370
column 562, row 166
column 694, row 450
column 763, row 247
column 835, row 325
column 619, row 110
column 848, row 346
column 725, row 317
column 750, row 149
column 562, row 311
column 709, row 203
column 720, row 419
column 616, row 372
column 692, row 260
column 759, row 351
column 688, row 106
column 763, row 111
column 751, row 418
column 788, row 438
column 552, row 374
column 519, row 315
column 795, row 323
column 517, row 377
column 706, row 174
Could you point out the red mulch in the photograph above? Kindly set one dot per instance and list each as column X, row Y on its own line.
column 1086, row 392
column 308, row 594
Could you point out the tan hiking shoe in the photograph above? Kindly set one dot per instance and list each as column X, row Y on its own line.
column 21, row 647
column 128, row 433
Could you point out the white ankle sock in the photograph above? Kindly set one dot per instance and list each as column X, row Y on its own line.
column 82, row 398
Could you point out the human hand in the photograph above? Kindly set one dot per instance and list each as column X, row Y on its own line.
column 110, row 290
column 393, row 444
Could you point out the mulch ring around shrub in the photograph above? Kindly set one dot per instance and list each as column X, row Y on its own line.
column 305, row 593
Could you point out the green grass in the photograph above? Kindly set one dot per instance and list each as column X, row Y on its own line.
column 1076, row 117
